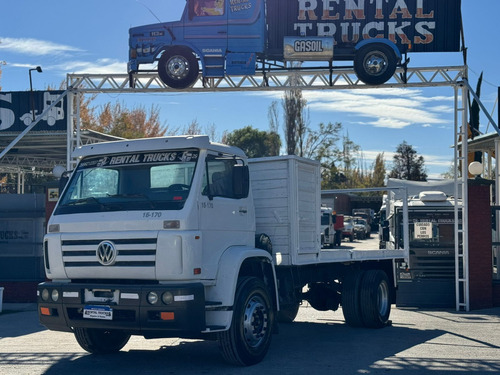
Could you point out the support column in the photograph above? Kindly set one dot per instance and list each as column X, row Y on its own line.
column 480, row 245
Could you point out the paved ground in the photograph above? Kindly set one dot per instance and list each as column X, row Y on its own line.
column 418, row 342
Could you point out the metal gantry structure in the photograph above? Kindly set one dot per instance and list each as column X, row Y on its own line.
column 327, row 79
column 304, row 79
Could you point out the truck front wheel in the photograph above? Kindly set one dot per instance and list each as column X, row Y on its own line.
column 99, row 341
column 178, row 68
column 375, row 63
column 247, row 340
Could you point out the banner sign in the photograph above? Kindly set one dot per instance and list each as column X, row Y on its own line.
column 150, row 157
column 413, row 25
column 16, row 111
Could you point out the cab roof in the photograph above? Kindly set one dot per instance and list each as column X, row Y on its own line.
column 155, row 144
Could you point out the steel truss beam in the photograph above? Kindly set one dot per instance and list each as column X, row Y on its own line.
column 267, row 81
column 336, row 79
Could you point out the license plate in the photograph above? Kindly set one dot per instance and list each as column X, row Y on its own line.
column 98, row 312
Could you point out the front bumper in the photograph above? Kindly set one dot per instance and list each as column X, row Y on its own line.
column 129, row 306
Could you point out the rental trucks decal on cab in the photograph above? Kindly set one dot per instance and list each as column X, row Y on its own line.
column 140, row 158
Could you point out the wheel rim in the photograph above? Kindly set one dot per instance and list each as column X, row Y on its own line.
column 177, row 67
column 376, row 63
column 383, row 298
column 256, row 321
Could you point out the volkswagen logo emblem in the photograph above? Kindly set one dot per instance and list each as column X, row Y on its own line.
column 106, row 253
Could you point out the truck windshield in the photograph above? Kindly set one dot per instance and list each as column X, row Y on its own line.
column 431, row 229
column 124, row 182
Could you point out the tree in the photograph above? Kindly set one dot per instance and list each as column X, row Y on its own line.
column 474, row 117
column 255, row 143
column 407, row 165
column 295, row 122
column 194, row 128
column 379, row 171
column 274, row 126
column 120, row 121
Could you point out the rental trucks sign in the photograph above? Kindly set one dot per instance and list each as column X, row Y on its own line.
column 413, row 25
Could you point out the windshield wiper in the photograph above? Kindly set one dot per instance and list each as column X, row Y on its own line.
column 88, row 200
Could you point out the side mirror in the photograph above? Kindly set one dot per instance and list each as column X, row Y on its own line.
column 385, row 234
column 241, row 181
column 63, row 181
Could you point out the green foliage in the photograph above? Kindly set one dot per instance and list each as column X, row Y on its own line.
column 379, row 171
column 255, row 143
column 407, row 165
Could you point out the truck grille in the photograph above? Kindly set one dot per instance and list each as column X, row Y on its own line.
column 131, row 252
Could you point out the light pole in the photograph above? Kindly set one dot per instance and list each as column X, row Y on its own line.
column 39, row 70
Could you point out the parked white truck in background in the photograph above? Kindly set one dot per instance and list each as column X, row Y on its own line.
column 181, row 237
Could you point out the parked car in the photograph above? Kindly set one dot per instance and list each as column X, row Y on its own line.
column 362, row 228
column 348, row 231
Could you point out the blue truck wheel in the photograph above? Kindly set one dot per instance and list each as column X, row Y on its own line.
column 375, row 63
column 178, row 68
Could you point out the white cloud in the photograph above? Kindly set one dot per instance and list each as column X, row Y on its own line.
column 29, row 46
column 101, row 66
column 394, row 108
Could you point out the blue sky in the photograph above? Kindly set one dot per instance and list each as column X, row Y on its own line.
column 65, row 36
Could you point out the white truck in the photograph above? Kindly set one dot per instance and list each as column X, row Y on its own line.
column 427, row 277
column 181, row 237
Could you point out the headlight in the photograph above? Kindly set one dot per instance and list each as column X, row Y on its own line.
column 152, row 298
column 167, row 298
column 45, row 295
column 55, row 295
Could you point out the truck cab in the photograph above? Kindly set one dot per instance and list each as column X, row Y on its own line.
column 427, row 277
column 156, row 237
column 224, row 36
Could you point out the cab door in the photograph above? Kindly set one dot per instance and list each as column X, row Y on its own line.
column 225, row 220
column 206, row 29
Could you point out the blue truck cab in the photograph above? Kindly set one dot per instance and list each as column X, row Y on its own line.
column 234, row 37
column 225, row 38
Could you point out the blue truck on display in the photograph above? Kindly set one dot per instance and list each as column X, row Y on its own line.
column 237, row 37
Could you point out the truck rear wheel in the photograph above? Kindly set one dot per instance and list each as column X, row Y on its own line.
column 247, row 340
column 375, row 299
column 351, row 304
column 375, row 63
column 100, row 341
column 178, row 68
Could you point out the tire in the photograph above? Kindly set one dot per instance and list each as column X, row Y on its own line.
column 99, row 341
column 247, row 340
column 351, row 238
column 375, row 299
column 351, row 304
column 375, row 63
column 178, row 68
column 288, row 313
